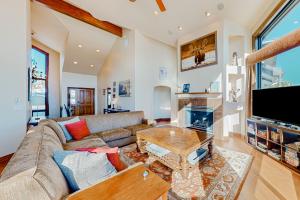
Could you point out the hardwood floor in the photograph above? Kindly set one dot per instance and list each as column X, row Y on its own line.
column 267, row 179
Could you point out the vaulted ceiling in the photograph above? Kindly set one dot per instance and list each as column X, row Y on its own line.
column 64, row 34
column 188, row 14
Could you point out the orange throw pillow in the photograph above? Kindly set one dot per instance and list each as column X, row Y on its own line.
column 78, row 130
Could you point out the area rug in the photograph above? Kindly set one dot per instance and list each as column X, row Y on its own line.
column 222, row 175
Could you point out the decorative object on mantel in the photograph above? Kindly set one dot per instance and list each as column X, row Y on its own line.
column 214, row 86
column 199, row 53
column 186, row 88
column 234, row 59
column 124, row 88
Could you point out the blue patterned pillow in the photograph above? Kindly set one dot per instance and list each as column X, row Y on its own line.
column 66, row 132
column 83, row 169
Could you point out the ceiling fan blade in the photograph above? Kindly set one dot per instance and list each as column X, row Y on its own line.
column 161, row 5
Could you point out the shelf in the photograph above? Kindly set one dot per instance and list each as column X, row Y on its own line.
column 274, row 142
column 293, row 147
column 201, row 93
column 261, row 137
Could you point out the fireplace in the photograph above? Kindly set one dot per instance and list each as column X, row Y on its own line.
column 200, row 117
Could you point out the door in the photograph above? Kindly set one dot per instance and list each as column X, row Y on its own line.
column 81, row 101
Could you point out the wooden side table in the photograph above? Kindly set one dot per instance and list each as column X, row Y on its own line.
column 129, row 185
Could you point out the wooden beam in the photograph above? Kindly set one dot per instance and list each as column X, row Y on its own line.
column 82, row 15
column 161, row 5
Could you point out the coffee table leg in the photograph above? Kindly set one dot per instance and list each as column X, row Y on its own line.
column 210, row 148
column 141, row 144
column 183, row 165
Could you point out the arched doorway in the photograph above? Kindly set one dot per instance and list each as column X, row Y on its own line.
column 162, row 103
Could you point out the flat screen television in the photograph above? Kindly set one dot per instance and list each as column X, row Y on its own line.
column 278, row 104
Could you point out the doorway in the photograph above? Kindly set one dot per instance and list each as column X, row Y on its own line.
column 162, row 103
column 81, row 101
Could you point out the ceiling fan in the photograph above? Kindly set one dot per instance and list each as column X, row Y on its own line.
column 160, row 4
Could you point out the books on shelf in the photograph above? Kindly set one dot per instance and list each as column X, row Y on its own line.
column 291, row 157
column 251, row 128
column 275, row 153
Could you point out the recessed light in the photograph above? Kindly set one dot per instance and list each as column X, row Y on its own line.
column 155, row 12
column 180, row 28
column 97, row 50
column 296, row 22
column 80, row 46
column 91, row 65
column 75, row 62
column 207, row 14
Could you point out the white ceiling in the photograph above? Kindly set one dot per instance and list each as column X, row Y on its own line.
column 64, row 34
column 190, row 14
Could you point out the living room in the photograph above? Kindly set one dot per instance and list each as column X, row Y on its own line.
column 150, row 99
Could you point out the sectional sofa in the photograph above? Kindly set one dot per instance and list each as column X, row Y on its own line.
column 33, row 174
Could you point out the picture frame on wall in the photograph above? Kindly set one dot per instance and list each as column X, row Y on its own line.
column 124, row 88
column 199, row 53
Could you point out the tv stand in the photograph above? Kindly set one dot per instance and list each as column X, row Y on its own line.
column 275, row 139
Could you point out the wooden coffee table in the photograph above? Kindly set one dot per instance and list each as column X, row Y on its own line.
column 129, row 185
column 181, row 142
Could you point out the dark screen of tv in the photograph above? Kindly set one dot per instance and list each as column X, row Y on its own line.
column 278, row 104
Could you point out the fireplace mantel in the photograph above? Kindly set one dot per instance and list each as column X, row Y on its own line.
column 206, row 95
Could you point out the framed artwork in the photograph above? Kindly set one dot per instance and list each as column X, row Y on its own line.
column 163, row 73
column 186, row 88
column 124, row 88
column 199, row 53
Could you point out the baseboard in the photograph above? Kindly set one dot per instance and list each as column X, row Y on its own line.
column 6, row 158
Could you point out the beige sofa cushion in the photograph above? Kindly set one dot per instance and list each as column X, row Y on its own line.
column 34, row 169
column 85, row 143
column 56, row 128
column 114, row 134
column 133, row 129
column 99, row 123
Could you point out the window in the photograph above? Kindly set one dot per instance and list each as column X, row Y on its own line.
column 283, row 69
column 39, row 86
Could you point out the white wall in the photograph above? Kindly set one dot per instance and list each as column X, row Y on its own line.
column 119, row 66
column 150, row 56
column 201, row 78
column 15, row 59
column 53, row 79
column 162, row 102
column 139, row 58
column 77, row 80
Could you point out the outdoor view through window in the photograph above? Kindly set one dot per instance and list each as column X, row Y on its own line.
column 38, row 85
column 283, row 69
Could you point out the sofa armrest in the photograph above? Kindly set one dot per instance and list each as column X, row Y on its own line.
column 149, row 122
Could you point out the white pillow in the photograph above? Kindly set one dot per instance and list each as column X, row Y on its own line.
column 83, row 169
column 66, row 132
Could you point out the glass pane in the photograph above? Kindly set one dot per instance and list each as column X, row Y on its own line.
column 38, row 64
column 281, row 70
column 72, row 97
column 38, row 98
column 287, row 24
column 37, row 114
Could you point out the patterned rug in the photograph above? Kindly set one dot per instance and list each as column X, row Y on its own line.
column 221, row 176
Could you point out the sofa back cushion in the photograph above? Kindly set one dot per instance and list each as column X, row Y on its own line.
column 34, row 166
column 56, row 128
column 98, row 123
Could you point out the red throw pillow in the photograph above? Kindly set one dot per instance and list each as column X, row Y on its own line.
column 112, row 155
column 78, row 130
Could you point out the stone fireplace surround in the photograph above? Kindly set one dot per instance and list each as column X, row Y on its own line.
column 213, row 102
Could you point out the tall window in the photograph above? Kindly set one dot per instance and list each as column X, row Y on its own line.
column 284, row 69
column 39, row 87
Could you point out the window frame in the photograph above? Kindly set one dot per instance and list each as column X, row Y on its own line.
column 275, row 20
column 46, row 110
